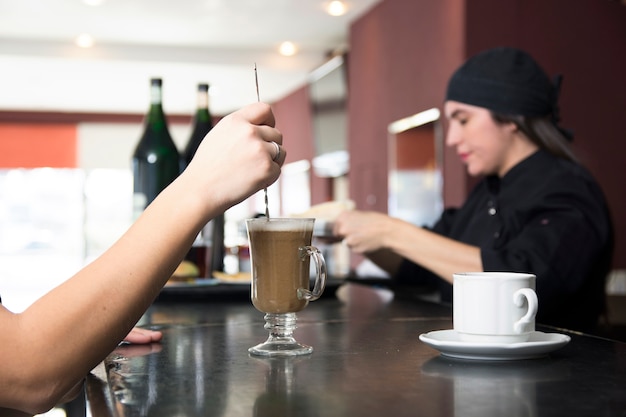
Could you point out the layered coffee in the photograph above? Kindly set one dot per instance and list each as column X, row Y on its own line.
column 280, row 265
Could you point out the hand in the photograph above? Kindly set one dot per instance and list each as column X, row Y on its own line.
column 363, row 231
column 143, row 336
column 236, row 158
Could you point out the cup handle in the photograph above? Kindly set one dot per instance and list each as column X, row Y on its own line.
column 533, row 304
column 320, row 274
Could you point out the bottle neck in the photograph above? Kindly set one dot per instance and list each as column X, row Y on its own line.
column 156, row 116
column 155, row 95
column 203, row 100
column 202, row 110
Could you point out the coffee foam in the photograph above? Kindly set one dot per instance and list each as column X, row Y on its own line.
column 280, row 225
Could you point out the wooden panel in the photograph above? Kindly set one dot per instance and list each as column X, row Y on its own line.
column 415, row 148
column 57, row 117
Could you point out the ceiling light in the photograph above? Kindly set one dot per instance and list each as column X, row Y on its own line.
column 84, row 40
column 93, row 2
column 336, row 8
column 287, row 48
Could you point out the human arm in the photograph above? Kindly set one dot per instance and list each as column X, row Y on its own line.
column 50, row 347
column 387, row 240
column 139, row 342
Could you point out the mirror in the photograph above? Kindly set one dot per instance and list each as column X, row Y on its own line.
column 415, row 149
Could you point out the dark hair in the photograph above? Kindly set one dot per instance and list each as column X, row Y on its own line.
column 542, row 132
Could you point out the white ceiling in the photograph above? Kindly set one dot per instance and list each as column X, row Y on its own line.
column 183, row 41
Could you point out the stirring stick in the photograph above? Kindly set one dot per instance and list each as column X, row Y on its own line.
column 258, row 98
column 256, row 81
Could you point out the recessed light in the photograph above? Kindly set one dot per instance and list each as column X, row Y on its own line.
column 287, row 48
column 84, row 40
column 93, row 2
column 336, row 8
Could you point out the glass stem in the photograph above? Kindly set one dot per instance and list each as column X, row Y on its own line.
column 280, row 326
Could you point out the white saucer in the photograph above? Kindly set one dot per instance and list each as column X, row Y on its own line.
column 449, row 344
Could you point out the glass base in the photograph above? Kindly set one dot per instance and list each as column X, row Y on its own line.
column 280, row 341
column 280, row 348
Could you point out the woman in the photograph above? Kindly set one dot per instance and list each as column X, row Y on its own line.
column 48, row 349
column 536, row 209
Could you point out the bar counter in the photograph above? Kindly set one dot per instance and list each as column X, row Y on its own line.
column 367, row 361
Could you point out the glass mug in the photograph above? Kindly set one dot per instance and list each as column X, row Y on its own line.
column 280, row 254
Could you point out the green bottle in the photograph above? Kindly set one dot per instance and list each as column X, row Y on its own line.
column 208, row 250
column 202, row 124
column 156, row 161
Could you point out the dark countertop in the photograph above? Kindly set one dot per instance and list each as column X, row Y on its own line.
column 367, row 361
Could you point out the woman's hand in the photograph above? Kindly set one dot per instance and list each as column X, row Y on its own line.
column 143, row 336
column 363, row 231
column 237, row 158
column 377, row 236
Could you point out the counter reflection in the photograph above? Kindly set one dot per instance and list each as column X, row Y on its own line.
column 494, row 389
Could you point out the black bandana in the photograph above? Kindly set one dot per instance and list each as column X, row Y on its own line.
column 506, row 81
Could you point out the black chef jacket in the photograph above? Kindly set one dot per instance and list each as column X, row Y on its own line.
column 546, row 216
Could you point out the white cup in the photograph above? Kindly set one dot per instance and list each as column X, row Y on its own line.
column 494, row 307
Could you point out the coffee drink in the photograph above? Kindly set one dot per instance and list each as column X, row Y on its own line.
column 280, row 265
column 280, row 253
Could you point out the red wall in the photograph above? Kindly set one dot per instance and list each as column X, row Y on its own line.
column 402, row 53
column 38, row 145
column 294, row 120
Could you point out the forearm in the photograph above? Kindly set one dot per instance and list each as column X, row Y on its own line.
column 441, row 255
column 92, row 311
column 386, row 260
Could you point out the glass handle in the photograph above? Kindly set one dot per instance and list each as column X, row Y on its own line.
column 320, row 274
